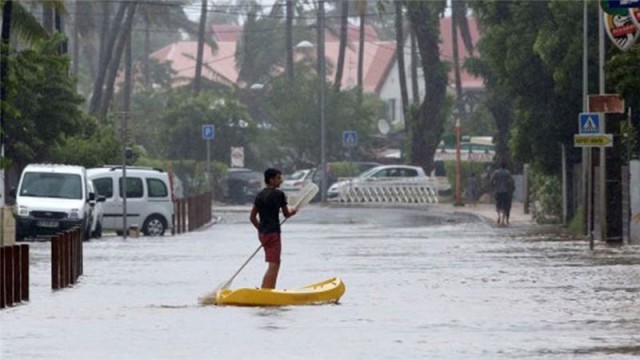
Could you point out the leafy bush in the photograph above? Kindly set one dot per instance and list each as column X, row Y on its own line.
column 546, row 191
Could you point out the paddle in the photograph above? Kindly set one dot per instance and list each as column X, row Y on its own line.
column 306, row 194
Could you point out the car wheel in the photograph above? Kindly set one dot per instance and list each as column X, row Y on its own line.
column 155, row 225
column 97, row 233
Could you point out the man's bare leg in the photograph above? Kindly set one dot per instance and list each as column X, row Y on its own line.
column 271, row 276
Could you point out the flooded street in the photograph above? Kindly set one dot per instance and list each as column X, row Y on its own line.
column 420, row 284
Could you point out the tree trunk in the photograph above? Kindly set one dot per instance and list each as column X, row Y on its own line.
column 427, row 127
column 128, row 84
column 115, row 63
column 455, row 14
column 5, row 37
column 105, row 60
column 363, row 10
column 415, row 89
column 200, row 56
column 289, row 40
column 344, row 27
column 400, row 55
column 47, row 16
column 146, row 66
column 104, row 32
column 76, row 41
column 59, row 21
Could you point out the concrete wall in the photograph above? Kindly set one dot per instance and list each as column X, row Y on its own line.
column 8, row 224
column 634, row 231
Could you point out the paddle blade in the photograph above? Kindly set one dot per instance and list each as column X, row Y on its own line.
column 306, row 195
column 210, row 298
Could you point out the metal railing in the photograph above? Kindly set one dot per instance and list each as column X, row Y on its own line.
column 389, row 193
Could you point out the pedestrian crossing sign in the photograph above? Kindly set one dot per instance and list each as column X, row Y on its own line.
column 591, row 123
column 349, row 139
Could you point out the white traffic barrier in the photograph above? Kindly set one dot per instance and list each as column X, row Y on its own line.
column 389, row 192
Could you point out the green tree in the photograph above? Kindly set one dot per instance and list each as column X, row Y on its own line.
column 296, row 127
column 44, row 115
column 530, row 57
column 426, row 124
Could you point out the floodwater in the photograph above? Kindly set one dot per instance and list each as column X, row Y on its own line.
column 419, row 285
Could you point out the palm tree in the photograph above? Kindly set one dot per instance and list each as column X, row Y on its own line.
column 459, row 22
column 400, row 55
column 105, row 59
column 362, row 11
column 427, row 127
column 200, row 55
column 415, row 89
column 114, row 64
column 289, row 45
column 344, row 24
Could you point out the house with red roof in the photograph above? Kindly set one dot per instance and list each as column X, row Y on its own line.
column 380, row 65
column 388, row 88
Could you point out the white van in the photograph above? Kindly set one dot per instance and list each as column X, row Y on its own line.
column 52, row 198
column 149, row 198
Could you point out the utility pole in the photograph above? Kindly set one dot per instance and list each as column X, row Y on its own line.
column 603, row 152
column 322, row 79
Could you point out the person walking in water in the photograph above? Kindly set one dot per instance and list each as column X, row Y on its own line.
column 502, row 184
column 265, row 217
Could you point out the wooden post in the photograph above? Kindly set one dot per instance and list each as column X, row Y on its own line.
column 73, row 238
column 178, row 214
column 63, row 261
column 17, row 279
column 24, row 273
column 55, row 262
column 183, row 214
column 3, row 300
column 81, row 258
column 8, row 274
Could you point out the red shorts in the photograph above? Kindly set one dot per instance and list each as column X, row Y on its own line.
column 272, row 247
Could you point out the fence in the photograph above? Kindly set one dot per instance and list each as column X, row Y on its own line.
column 66, row 258
column 389, row 192
column 191, row 213
column 14, row 274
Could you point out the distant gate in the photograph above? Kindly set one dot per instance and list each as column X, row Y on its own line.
column 389, row 193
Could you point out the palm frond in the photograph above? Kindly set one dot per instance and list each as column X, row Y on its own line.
column 25, row 26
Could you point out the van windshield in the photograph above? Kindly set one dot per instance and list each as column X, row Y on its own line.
column 51, row 185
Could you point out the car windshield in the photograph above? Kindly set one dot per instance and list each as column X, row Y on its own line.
column 298, row 175
column 368, row 173
column 51, row 185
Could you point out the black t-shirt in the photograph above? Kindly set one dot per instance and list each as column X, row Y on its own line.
column 269, row 202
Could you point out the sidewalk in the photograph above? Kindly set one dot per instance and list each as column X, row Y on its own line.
column 488, row 213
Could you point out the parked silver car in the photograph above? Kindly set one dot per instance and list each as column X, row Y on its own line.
column 381, row 173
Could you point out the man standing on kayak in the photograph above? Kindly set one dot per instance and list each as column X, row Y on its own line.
column 265, row 216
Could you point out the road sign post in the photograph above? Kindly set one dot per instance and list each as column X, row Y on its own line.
column 208, row 133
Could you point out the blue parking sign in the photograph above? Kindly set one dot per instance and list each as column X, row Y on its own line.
column 208, row 131
column 350, row 139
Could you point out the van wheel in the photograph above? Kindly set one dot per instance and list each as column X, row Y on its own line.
column 155, row 225
column 97, row 233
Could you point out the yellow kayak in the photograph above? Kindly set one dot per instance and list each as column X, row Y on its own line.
column 323, row 292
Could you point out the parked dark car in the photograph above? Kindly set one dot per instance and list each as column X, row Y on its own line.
column 242, row 185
